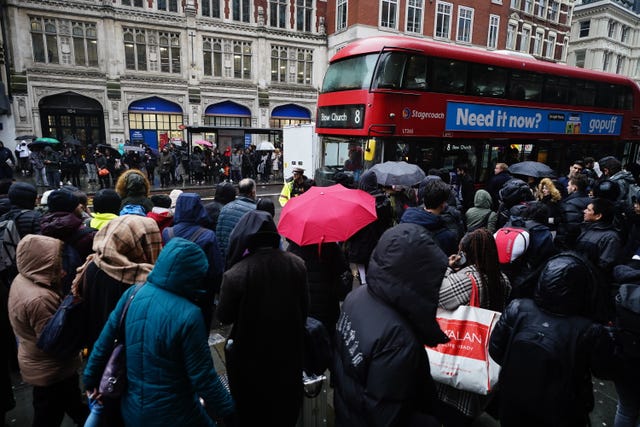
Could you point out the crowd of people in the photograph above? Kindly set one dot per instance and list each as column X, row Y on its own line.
column 53, row 166
column 224, row 261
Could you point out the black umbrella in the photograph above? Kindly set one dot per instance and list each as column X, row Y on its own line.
column 104, row 147
column 398, row 173
column 25, row 137
column 39, row 145
column 532, row 169
column 70, row 140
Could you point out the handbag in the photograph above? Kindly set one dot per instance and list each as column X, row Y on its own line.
column 114, row 377
column 464, row 362
column 103, row 171
column 64, row 334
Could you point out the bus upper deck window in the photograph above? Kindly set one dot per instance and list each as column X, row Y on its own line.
column 390, row 71
column 449, row 76
column 416, row 73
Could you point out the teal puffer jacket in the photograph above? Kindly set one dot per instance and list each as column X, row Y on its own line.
column 169, row 364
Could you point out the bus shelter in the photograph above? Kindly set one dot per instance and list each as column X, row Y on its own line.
column 234, row 137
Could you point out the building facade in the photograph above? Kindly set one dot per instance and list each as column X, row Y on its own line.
column 110, row 71
column 480, row 25
column 605, row 36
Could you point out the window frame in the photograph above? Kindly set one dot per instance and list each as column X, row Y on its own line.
column 493, row 31
column 584, row 28
column 512, row 35
column 342, row 14
column 538, row 42
column 465, row 23
column 416, row 19
column 446, row 20
column 390, row 9
column 550, row 47
column 278, row 13
column 304, row 15
column 525, row 42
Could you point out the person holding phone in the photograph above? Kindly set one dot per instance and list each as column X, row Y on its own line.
column 477, row 261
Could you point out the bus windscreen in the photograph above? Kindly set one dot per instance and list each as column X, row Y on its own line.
column 352, row 73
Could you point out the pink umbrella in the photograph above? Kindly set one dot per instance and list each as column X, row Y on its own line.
column 326, row 214
column 204, row 142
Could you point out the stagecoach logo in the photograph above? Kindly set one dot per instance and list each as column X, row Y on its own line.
column 408, row 113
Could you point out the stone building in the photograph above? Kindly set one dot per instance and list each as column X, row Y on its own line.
column 605, row 36
column 108, row 71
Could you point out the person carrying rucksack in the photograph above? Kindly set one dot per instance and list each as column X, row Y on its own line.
column 547, row 347
column 513, row 197
column 481, row 215
column 522, row 266
column 612, row 170
column 22, row 196
column 64, row 222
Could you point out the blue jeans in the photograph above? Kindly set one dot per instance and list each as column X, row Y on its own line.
column 628, row 404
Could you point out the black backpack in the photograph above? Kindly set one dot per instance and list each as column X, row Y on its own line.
column 515, row 191
column 628, row 319
column 539, row 377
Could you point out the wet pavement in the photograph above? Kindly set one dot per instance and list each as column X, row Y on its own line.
column 21, row 416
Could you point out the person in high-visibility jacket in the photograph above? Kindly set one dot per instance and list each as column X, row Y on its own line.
column 294, row 186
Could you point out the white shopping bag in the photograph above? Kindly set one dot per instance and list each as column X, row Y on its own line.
column 464, row 362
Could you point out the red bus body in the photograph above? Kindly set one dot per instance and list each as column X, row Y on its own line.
column 438, row 129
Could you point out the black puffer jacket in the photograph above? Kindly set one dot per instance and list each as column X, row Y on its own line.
column 571, row 216
column 601, row 243
column 381, row 370
column 563, row 303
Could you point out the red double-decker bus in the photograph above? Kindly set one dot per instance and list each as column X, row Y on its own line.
column 438, row 105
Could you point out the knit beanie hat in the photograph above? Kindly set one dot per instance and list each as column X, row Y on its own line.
column 62, row 201
column 23, row 195
column 161, row 201
column 106, row 200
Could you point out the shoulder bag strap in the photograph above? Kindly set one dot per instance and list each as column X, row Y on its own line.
column 474, row 300
column 120, row 337
column 196, row 234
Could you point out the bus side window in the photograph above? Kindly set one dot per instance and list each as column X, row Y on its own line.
column 487, row 80
column 450, row 76
column 390, row 71
column 416, row 73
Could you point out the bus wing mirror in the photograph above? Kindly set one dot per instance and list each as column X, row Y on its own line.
column 370, row 150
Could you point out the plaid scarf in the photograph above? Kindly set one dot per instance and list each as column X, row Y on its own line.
column 126, row 249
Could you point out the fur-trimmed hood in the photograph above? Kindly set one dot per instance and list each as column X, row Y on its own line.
column 133, row 183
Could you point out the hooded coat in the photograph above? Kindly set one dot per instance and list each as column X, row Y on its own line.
column 187, row 220
column 564, row 300
column 225, row 193
column 126, row 249
column 446, row 239
column 381, row 370
column 264, row 288
column 133, row 188
column 481, row 215
column 169, row 364
column 34, row 297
